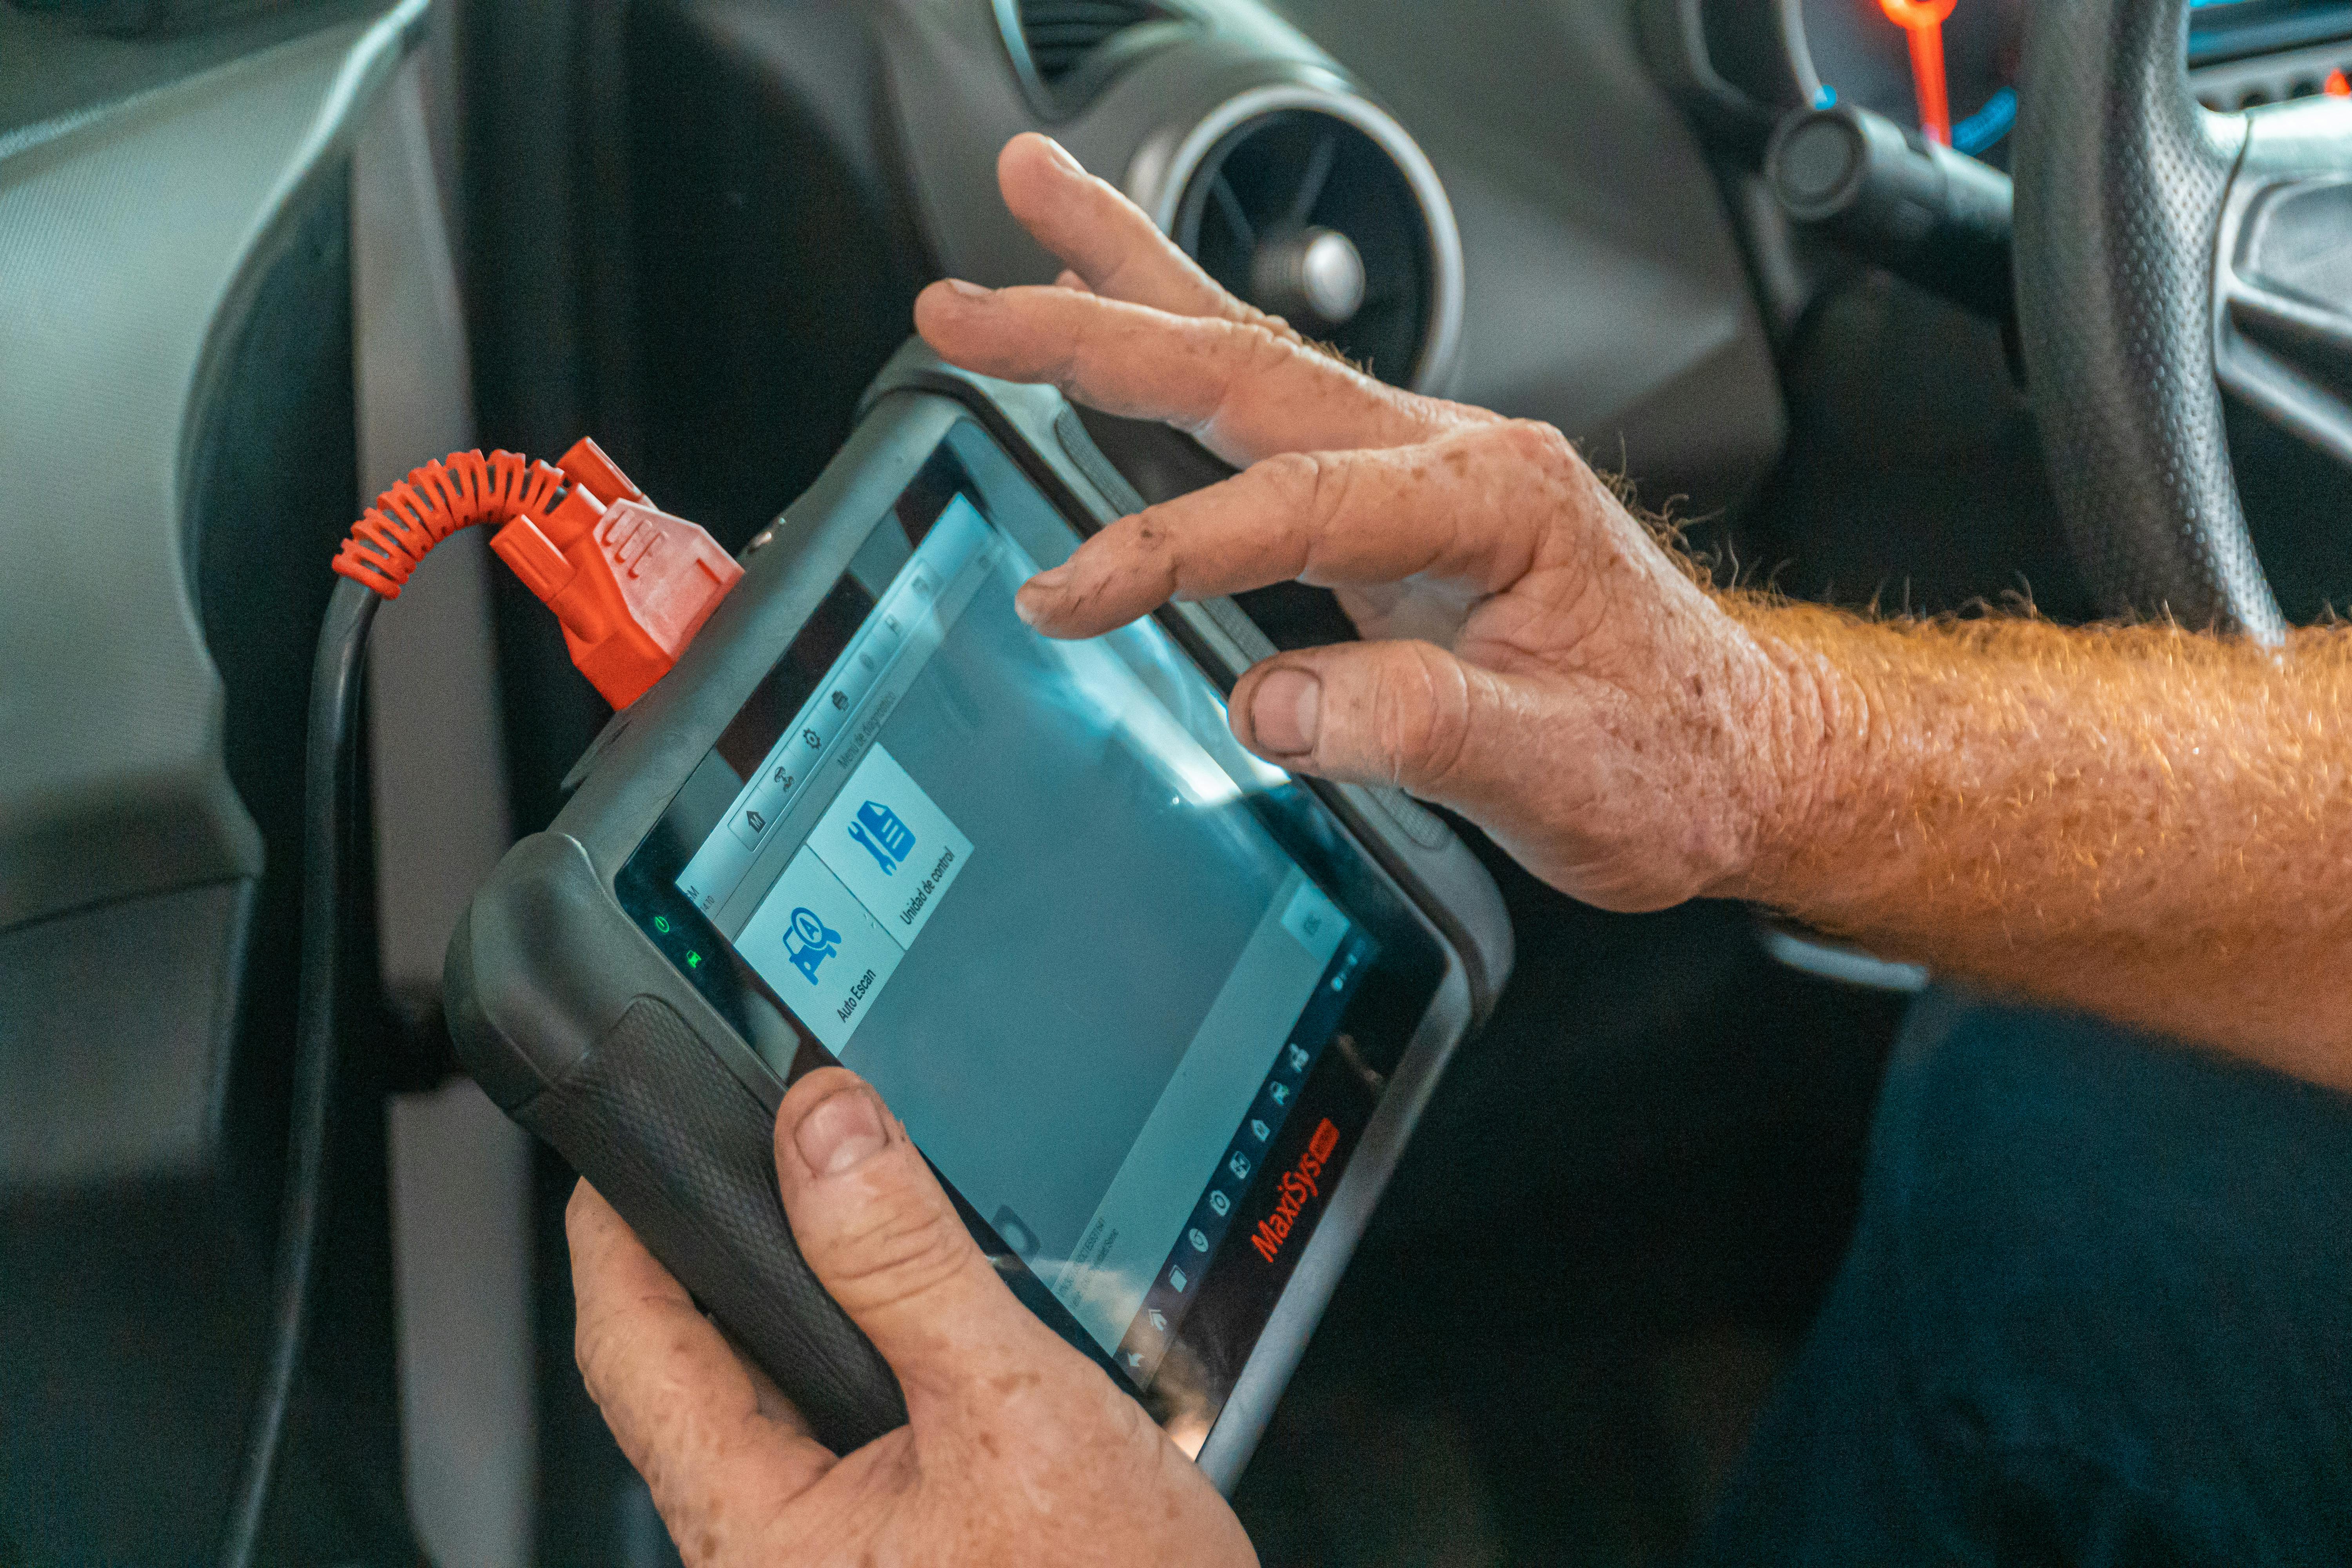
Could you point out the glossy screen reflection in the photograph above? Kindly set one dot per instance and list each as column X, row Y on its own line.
column 1018, row 885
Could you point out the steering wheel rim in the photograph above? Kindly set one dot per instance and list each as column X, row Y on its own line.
column 2122, row 183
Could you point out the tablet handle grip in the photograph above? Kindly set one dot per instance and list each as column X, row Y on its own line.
column 687, row 1156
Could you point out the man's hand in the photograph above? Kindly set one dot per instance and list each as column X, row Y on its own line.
column 1018, row 1450
column 2138, row 821
column 1536, row 660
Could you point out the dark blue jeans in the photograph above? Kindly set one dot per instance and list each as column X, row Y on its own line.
column 2098, row 1310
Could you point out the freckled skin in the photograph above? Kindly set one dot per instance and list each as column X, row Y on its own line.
column 2137, row 821
column 1018, row 1450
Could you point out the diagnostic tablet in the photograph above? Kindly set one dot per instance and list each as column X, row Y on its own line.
column 1149, row 1004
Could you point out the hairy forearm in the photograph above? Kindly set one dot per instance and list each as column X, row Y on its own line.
column 2139, row 822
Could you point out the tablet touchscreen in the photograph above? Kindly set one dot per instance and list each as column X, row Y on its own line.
column 1129, row 998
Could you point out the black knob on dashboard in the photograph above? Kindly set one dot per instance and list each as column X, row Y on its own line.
column 1916, row 207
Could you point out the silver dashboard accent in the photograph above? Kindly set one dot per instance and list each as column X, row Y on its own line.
column 2279, row 319
column 1826, row 959
column 1016, row 49
column 2280, row 76
column 1321, row 268
column 1157, row 178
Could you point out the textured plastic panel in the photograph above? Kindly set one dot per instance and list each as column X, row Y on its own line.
column 78, row 69
column 2120, row 181
column 110, row 1070
column 686, row 1155
column 1605, row 290
column 128, row 241
column 174, row 322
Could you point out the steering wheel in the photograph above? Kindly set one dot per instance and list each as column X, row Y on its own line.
column 2165, row 253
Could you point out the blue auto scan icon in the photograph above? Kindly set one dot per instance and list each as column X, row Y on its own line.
column 809, row 942
column 880, row 833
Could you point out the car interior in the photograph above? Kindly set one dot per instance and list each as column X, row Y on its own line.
column 260, row 257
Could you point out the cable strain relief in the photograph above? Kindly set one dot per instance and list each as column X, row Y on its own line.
column 385, row 576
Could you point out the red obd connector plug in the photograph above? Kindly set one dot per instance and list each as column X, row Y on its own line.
column 631, row 584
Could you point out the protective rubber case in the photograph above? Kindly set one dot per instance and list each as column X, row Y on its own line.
column 582, row 1030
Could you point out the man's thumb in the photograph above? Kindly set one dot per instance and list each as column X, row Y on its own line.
column 882, row 1236
column 1404, row 714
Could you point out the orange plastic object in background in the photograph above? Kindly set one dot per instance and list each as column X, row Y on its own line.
column 1924, row 21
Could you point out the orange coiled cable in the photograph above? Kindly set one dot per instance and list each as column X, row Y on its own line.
column 433, row 502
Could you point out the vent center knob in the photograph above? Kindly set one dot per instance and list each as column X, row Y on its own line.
column 1317, row 273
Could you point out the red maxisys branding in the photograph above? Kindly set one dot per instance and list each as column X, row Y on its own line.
column 1296, row 1186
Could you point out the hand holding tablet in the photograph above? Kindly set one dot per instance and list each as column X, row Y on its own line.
column 1017, row 1452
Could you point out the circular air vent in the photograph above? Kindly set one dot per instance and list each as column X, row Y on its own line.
column 1318, row 207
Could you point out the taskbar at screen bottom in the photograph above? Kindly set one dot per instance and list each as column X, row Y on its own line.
column 1188, row 1339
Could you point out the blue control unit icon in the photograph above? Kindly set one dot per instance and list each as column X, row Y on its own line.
column 878, row 830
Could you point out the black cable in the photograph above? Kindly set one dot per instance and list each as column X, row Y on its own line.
column 326, row 784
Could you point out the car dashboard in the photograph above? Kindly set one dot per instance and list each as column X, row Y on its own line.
column 257, row 258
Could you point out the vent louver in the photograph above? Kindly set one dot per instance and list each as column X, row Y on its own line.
column 1065, row 50
column 1063, row 33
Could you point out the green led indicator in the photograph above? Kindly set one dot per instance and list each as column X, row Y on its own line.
column 661, row 924
column 693, row 959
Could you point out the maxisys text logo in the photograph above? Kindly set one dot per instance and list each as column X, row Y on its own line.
column 1302, row 1182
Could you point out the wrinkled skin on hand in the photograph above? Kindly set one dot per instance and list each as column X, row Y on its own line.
column 1535, row 658
column 2142, row 821
column 1018, row 1450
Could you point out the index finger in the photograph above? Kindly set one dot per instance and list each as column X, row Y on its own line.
column 1243, row 390
column 1480, row 508
column 1108, row 241
column 718, row 1447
